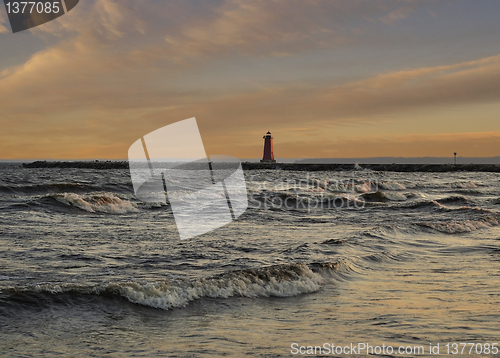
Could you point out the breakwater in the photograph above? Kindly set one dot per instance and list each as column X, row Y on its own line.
column 101, row 164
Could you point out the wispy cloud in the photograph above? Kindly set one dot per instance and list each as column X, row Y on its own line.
column 118, row 67
column 89, row 112
column 396, row 15
column 3, row 23
column 481, row 144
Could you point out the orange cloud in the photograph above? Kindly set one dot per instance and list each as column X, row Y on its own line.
column 118, row 73
column 483, row 144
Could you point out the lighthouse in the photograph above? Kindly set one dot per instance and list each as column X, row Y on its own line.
column 268, row 149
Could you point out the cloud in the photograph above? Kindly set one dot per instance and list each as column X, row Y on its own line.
column 3, row 22
column 179, row 29
column 118, row 69
column 394, row 16
column 58, row 96
column 481, row 144
column 258, row 27
column 394, row 93
column 467, row 82
column 112, row 53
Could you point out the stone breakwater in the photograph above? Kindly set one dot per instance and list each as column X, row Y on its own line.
column 101, row 164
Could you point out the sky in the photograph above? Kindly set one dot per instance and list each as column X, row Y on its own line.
column 328, row 78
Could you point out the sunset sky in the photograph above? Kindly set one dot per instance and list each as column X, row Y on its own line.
column 332, row 78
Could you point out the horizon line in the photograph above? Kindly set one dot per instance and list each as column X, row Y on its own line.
column 254, row 158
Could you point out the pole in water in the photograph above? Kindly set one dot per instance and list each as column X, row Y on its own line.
column 455, row 154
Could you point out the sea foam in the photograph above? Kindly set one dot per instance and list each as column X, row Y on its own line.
column 96, row 202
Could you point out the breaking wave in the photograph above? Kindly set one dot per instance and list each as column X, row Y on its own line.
column 275, row 281
column 95, row 202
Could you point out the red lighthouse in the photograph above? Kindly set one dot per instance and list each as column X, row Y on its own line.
column 268, row 149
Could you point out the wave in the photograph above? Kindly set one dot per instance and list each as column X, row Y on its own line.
column 274, row 281
column 334, row 242
column 476, row 192
column 391, row 185
column 291, row 200
column 40, row 189
column 448, row 185
column 297, row 166
column 433, row 204
column 324, row 185
column 453, row 199
column 382, row 196
column 460, row 227
column 473, row 209
column 94, row 203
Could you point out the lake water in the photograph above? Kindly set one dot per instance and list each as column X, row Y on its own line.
column 341, row 257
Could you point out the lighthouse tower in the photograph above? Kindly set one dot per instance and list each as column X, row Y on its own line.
column 268, row 149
